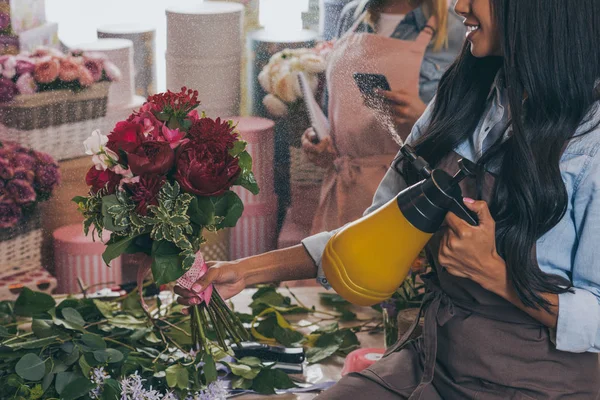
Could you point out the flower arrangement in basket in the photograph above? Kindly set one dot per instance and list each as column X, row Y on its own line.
column 279, row 78
column 160, row 179
column 34, row 87
column 27, row 177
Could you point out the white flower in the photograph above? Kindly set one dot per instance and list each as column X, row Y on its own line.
column 312, row 63
column 10, row 67
column 119, row 170
column 98, row 376
column 264, row 78
column 275, row 106
column 95, row 143
column 105, row 159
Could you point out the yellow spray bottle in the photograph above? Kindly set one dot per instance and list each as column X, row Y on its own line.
column 367, row 260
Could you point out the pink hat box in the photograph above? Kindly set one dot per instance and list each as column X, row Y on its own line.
column 79, row 256
column 260, row 135
column 256, row 230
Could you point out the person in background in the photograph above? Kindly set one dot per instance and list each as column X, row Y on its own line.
column 512, row 309
column 411, row 43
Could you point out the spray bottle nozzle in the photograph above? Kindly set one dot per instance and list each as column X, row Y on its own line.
column 418, row 163
column 467, row 168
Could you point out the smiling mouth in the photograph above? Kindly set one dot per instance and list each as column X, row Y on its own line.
column 471, row 29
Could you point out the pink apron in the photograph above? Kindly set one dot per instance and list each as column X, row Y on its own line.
column 364, row 145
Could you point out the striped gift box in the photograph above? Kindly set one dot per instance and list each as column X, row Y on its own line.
column 78, row 257
column 37, row 279
column 256, row 230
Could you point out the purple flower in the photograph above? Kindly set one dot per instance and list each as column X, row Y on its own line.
column 10, row 213
column 26, row 84
column 95, row 68
column 21, row 191
column 25, row 67
column 24, row 160
column 2, row 186
column 24, row 174
column 8, row 90
column 6, row 170
column 4, row 21
column 47, row 177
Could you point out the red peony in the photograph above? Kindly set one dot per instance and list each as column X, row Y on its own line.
column 151, row 157
column 99, row 179
column 144, row 193
column 126, row 136
column 205, row 174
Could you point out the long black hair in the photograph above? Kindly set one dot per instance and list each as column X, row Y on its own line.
column 551, row 64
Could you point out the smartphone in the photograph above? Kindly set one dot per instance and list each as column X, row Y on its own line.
column 367, row 83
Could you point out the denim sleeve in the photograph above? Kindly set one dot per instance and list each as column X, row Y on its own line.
column 389, row 187
column 578, row 328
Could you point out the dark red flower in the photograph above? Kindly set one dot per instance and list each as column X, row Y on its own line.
column 99, row 179
column 20, row 191
column 24, row 174
column 126, row 136
column 177, row 104
column 145, row 192
column 8, row 90
column 151, row 158
column 10, row 213
column 6, row 169
column 205, row 174
column 24, row 160
column 217, row 136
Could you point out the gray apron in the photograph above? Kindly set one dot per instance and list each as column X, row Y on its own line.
column 475, row 345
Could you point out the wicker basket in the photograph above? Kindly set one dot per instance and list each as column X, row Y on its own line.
column 62, row 142
column 21, row 246
column 46, row 109
column 302, row 171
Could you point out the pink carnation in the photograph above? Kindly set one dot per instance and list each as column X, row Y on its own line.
column 95, row 68
column 70, row 70
column 85, row 77
column 46, row 71
column 26, row 84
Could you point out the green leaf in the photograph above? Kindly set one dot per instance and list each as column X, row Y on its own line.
column 248, row 182
column 114, row 250
column 73, row 316
column 72, row 357
column 43, row 328
column 241, row 383
column 63, row 379
column 95, row 342
column 282, row 380
column 30, row 367
column 48, row 379
column 347, row 315
column 127, row 322
column 166, row 263
column 325, row 346
column 230, row 207
column 32, row 303
column 85, row 367
column 245, row 161
column 69, row 325
column 177, row 376
column 202, row 211
column 287, row 337
column 349, row 341
column 78, row 388
column 111, row 390
column 132, row 305
column 209, row 369
column 108, row 202
column 264, row 383
column 237, row 148
column 251, row 361
column 328, row 328
column 110, row 356
column 244, row 371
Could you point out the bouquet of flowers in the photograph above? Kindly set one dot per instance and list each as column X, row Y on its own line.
column 279, row 78
column 159, row 179
column 48, row 69
column 26, row 178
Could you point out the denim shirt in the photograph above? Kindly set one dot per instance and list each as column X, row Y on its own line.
column 570, row 249
column 434, row 63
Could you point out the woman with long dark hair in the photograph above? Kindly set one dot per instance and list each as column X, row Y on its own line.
column 512, row 310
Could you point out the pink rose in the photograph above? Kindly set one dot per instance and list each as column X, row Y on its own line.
column 47, row 71
column 26, row 84
column 85, row 77
column 173, row 136
column 112, row 71
column 25, row 67
column 24, row 174
column 69, row 70
column 95, row 68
